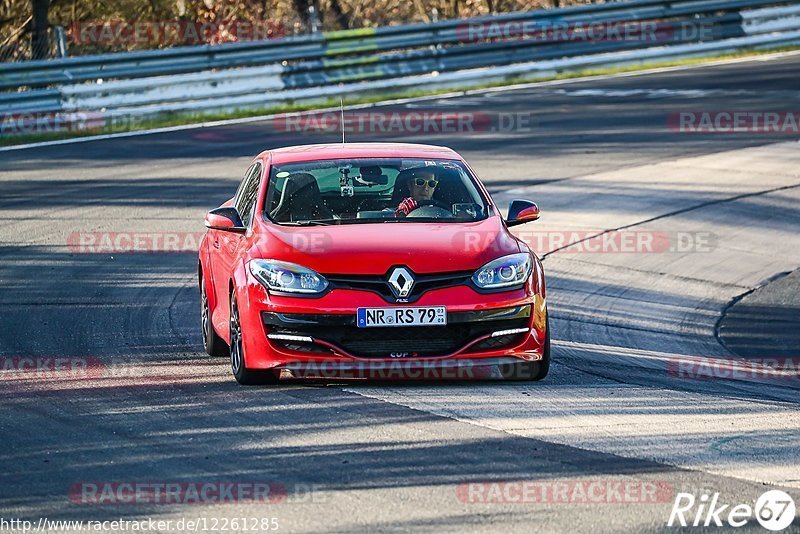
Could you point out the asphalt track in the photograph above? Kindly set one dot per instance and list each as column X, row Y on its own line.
column 599, row 159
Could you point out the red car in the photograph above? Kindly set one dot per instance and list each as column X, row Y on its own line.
column 365, row 256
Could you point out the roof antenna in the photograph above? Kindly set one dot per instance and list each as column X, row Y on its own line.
column 341, row 108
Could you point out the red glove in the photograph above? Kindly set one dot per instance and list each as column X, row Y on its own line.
column 406, row 206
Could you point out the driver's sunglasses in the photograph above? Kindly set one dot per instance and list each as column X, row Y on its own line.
column 422, row 181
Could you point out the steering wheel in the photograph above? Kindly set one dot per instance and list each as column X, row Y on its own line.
column 431, row 208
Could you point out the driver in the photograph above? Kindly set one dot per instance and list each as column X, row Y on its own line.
column 421, row 184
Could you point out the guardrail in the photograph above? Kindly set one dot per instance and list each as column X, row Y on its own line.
column 323, row 45
column 444, row 54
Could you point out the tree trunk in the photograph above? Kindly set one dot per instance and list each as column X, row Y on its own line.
column 301, row 8
column 421, row 11
column 338, row 14
column 40, row 45
column 454, row 7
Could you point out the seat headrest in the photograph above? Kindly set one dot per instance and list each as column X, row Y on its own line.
column 300, row 182
column 370, row 170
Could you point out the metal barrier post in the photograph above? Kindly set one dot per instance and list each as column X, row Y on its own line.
column 61, row 41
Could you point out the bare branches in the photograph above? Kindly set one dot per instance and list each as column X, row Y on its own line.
column 35, row 17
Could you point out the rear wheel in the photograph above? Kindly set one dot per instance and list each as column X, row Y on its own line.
column 530, row 371
column 212, row 342
column 243, row 375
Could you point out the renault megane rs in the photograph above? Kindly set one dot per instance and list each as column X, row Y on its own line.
column 361, row 254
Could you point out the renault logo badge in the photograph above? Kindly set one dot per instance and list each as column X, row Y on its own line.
column 401, row 281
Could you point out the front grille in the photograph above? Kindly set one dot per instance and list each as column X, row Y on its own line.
column 379, row 284
column 422, row 341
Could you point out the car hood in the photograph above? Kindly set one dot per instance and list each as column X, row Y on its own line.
column 371, row 249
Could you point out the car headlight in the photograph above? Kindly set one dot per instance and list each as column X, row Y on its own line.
column 511, row 270
column 287, row 277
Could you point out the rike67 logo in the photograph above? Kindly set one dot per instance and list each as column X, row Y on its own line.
column 774, row 510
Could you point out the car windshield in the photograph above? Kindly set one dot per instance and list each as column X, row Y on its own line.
column 373, row 190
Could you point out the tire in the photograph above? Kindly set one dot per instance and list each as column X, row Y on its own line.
column 213, row 344
column 243, row 375
column 530, row 371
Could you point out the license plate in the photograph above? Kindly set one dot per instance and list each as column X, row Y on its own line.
column 403, row 316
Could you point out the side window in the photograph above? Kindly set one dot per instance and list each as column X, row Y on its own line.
column 246, row 196
column 242, row 184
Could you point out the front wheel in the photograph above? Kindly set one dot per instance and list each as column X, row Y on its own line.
column 213, row 344
column 243, row 375
column 530, row 371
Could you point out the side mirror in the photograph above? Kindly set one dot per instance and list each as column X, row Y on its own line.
column 226, row 219
column 521, row 211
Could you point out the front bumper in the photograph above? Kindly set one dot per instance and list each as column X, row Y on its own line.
column 471, row 331
column 300, row 333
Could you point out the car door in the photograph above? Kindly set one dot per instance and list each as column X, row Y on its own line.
column 228, row 245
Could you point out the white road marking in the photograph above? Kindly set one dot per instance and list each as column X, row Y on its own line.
column 649, row 93
column 674, row 93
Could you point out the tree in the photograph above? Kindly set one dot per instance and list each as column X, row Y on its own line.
column 40, row 43
column 301, row 9
column 341, row 19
